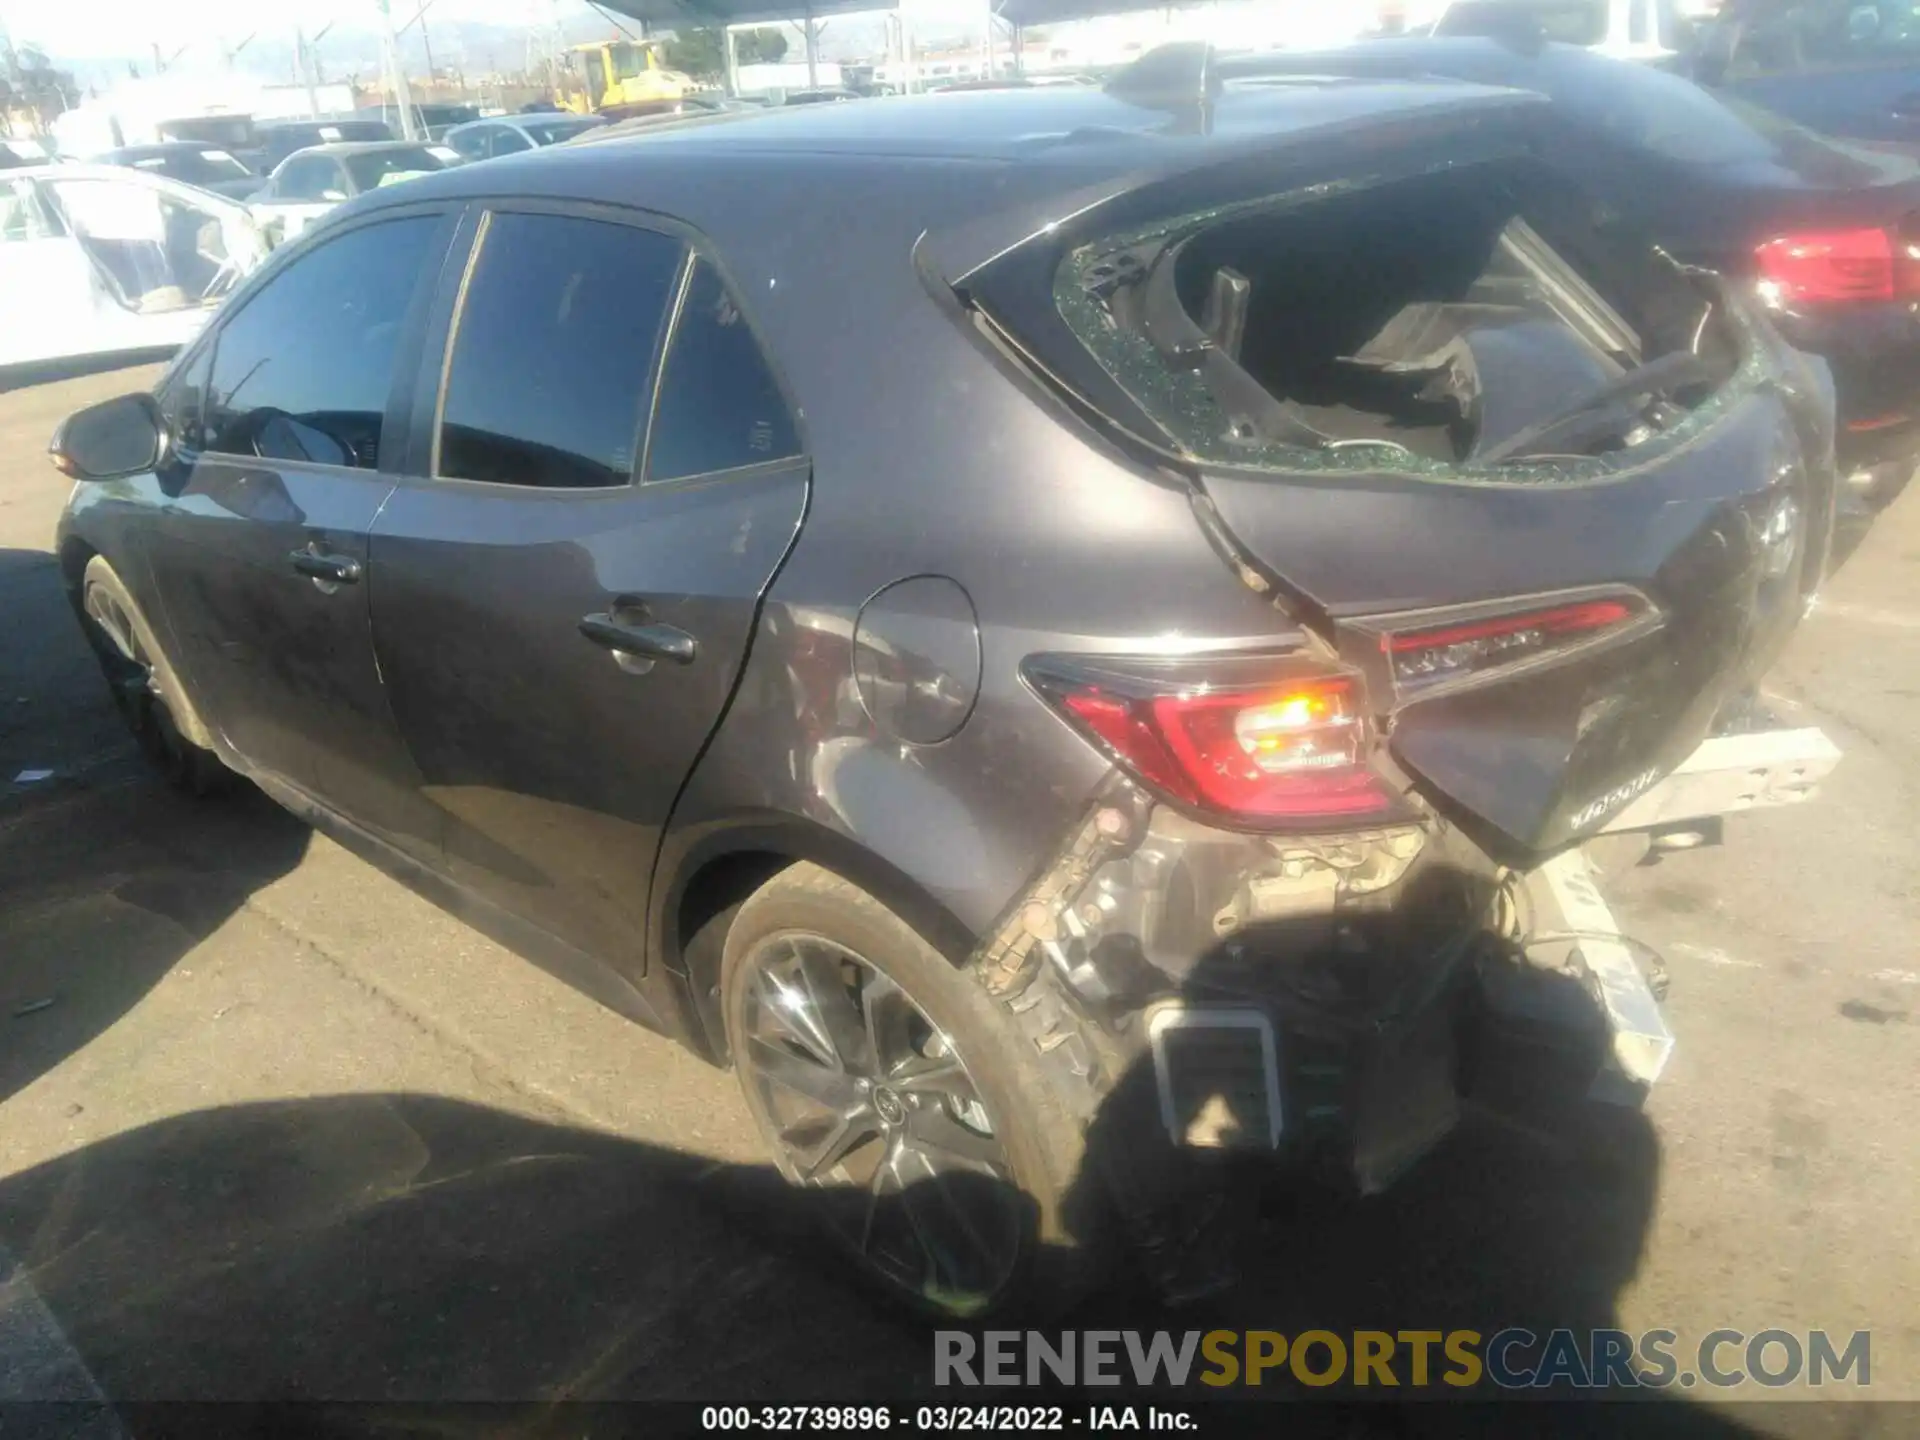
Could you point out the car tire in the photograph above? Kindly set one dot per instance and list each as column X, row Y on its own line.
column 808, row 919
column 145, row 686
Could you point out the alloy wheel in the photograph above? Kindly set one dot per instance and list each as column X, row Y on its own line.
column 105, row 610
column 861, row 1095
column 130, row 676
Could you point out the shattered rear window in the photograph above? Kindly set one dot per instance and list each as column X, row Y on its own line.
column 1417, row 322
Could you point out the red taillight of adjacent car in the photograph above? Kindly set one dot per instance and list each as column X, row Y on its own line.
column 1292, row 753
column 1430, row 654
column 1837, row 267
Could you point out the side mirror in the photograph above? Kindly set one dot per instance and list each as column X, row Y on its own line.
column 122, row 436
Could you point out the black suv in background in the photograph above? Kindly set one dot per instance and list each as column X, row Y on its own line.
column 1849, row 68
column 1055, row 678
column 1822, row 230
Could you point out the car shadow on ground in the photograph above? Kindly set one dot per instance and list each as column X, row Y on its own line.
column 347, row 1264
column 107, row 877
column 410, row 1250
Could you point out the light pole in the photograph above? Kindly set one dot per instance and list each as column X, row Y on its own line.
column 397, row 72
column 303, row 60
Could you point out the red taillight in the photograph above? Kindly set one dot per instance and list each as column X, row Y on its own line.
column 1290, row 754
column 1419, row 656
column 1834, row 267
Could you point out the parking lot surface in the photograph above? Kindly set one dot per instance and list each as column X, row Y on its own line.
column 273, row 1128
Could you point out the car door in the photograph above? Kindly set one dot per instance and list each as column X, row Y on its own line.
column 100, row 260
column 260, row 555
column 564, row 591
column 46, row 284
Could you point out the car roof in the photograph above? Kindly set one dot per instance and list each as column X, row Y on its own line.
column 538, row 117
column 163, row 147
column 1027, row 122
column 68, row 170
column 314, row 122
column 363, row 147
column 995, row 163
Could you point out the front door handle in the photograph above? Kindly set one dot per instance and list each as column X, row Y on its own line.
column 317, row 565
column 648, row 642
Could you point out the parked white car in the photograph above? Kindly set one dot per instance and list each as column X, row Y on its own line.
column 101, row 259
column 309, row 183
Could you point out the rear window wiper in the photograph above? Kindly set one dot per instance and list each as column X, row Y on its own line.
column 1597, row 413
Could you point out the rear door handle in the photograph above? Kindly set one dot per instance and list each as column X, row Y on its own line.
column 317, row 565
column 650, row 642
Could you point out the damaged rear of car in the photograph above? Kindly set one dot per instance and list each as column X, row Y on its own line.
column 1543, row 508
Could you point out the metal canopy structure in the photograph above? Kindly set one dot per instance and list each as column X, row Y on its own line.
column 1022, row 13
column 689, row 14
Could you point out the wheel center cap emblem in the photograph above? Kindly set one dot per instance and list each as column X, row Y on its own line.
column 888, row 1106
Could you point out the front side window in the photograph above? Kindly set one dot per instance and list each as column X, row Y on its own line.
column 182, row 401
column 309, row 177
column 553, row 350
column 507, row 140
column 303, row 370
column 371, row 169
column 552, row 132
column 719, row 407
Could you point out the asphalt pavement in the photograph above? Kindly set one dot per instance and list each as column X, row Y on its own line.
column 274, row 1128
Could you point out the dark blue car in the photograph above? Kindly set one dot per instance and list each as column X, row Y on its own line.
column 1843, row 67
column 1822, row 228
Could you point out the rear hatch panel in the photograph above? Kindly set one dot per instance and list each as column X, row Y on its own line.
column 1718, row 520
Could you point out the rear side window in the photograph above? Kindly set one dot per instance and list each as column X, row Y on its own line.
column 719, row 407
column 553, row 350
column 303, row 371
column 310, row 177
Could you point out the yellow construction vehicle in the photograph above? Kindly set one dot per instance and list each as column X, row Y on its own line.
column 619, row 78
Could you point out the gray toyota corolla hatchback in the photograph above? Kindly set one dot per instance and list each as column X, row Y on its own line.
column 1040, row 627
